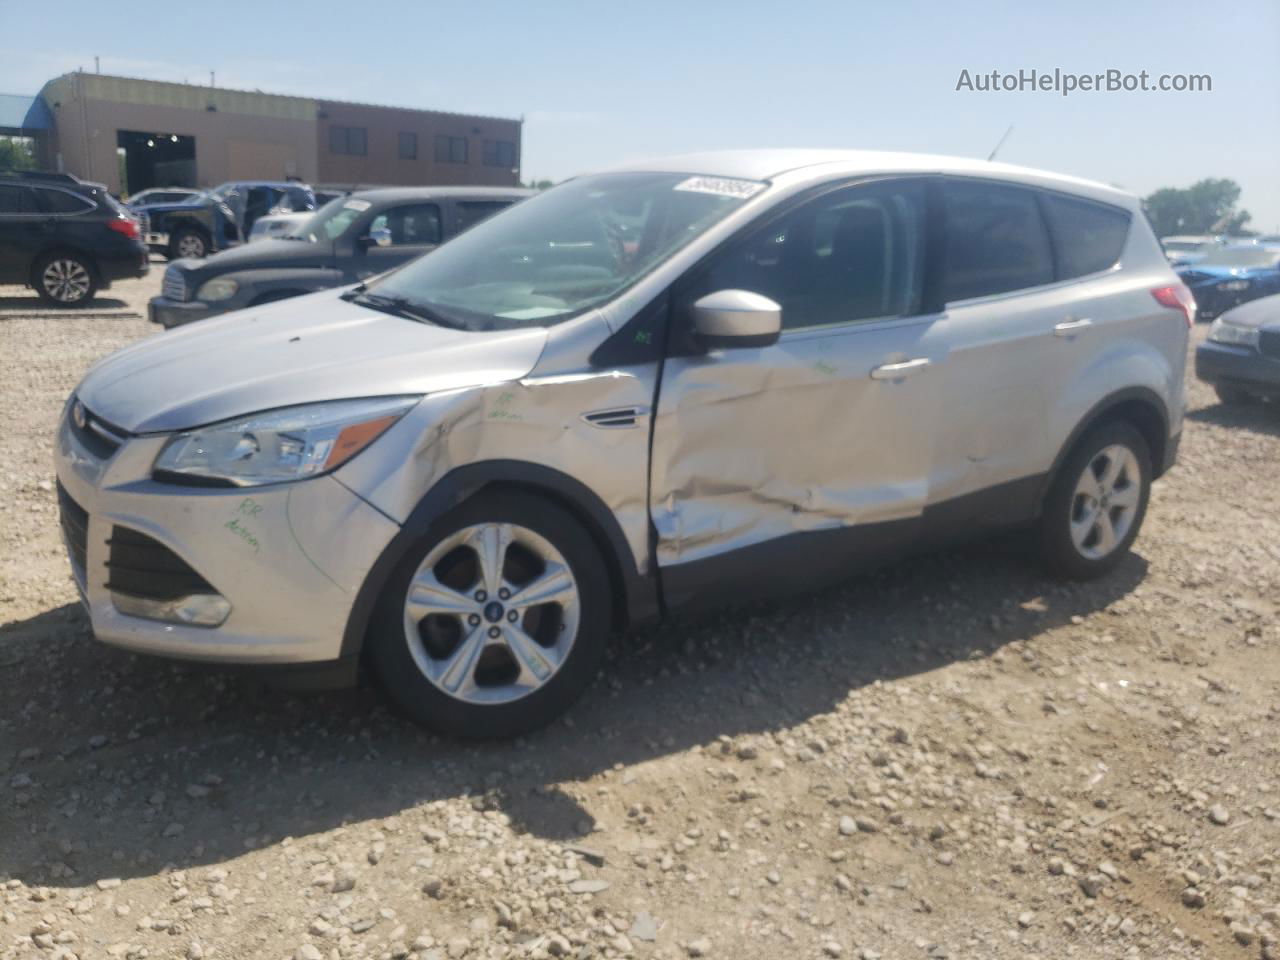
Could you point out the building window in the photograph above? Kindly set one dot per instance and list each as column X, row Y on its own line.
column 408, row 146
column 352, row 141
column 451, row 149
column 500, row 153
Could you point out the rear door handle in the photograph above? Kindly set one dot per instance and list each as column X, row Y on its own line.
column 899, row 371
column 1069, row 328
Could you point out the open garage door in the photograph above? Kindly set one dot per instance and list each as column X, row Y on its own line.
column 156, row 160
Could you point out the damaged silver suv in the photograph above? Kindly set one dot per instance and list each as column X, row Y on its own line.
column 721, row 375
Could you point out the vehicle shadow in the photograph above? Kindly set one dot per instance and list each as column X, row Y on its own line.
column 35, row 303
column 142, row 762
column 1259, row 416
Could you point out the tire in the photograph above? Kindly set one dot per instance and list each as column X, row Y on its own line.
column 65, row 279
column 1070, row 545
column 418, row 651
column 1232, row 395
column 188, row 243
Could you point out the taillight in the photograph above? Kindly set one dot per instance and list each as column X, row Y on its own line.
column 125, row 226
column 1177, row 296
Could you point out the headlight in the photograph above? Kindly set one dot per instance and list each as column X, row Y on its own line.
column 219, row 288
column 291, row 443
column 1233, row 285
column 1233, row 333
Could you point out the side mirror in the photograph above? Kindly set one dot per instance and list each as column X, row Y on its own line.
column 378, row 237
column 736, row 318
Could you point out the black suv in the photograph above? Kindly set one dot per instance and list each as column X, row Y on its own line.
column 65, row 237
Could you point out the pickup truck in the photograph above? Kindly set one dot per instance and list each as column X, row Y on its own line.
column 218, row 219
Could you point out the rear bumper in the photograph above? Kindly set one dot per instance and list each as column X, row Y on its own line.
column 134, row 262
column 1242, row 367
column 174, row 313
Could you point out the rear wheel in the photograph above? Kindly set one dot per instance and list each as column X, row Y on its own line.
column 189, row 244
column 1097, row 502
column 1232, row 395
column 65, row 279
column 496, row 621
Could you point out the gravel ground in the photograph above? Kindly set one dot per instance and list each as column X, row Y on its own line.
column 953, row 758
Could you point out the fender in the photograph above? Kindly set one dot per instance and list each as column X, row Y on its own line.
column 1149, row 414
column 638, row 592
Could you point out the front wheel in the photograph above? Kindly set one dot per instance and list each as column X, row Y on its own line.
column 1097, row 502
column 496, row 621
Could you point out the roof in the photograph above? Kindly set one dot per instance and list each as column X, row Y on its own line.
column 414, row 193
column 197, row 96
column 770, row 164
column 19, row 112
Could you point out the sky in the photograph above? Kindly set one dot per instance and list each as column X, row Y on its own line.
column 599, row 84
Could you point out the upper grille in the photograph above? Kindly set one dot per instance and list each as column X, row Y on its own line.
column 99, row 437
column 174, row 286
column 75, row 527
column 143, row 567
column 1269, row 343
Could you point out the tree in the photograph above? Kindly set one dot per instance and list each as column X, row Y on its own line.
column 16, row 153
column 539, row 184
column 1207, row 206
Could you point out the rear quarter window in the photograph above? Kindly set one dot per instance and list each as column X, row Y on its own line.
column 1087, row 237
column 996, row 240
column 59, row 201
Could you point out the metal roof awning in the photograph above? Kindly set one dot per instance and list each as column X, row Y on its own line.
column 23, row 114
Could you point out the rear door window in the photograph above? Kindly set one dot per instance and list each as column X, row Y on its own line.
column 16, row 199
column 59, row 201
column 996, row 240
column 471, row 212
column 1087, row 236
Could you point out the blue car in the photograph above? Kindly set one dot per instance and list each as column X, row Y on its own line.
column 1231, row 276
column 216, row 219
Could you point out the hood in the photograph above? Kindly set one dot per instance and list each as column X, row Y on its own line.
column 1222, row 271
column 265, row 254
column 196, row 201
column 303, row 350
column 1265, row 311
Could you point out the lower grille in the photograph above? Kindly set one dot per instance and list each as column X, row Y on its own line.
column 174, row 286
column 75, row 527
column 143, row 567
column 1269, row 343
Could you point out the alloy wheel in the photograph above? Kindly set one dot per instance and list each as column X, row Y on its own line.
column 1106, row 501
column 191, row 245
column 66, row 280
column 491, row 613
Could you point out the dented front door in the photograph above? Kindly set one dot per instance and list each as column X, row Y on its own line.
column 805, row 435
column 828, row 429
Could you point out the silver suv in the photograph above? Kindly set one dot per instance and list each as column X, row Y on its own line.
column 717, row 376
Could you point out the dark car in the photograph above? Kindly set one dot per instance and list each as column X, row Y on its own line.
column 350, row 239
column 160, row 195
column 220, row 218
column 1241, row 356
column 1231, row 276
column 66, row 238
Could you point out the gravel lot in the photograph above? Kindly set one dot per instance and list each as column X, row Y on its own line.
column 955, row 758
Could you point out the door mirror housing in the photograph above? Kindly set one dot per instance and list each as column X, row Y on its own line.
column 377, row 237
column 736, row 318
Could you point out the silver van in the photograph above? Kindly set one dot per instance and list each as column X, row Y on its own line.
column 710, row 377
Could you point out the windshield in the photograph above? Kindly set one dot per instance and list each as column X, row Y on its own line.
column 1242, row 257
column 563, row 251
column 332, row 220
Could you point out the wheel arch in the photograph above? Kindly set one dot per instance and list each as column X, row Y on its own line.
column 637, row 592
column 1142, row 407
column 61, row 247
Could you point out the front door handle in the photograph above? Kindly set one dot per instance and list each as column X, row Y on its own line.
column 1069, row 328
column 899, row 371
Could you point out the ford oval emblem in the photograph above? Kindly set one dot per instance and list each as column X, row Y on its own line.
column 78, row 416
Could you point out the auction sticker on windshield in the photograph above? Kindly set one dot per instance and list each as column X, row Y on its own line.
column 360, row 205
column 722, row 186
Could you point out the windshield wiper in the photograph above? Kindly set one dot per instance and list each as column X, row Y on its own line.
column 401, row 307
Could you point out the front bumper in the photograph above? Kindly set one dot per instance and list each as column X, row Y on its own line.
column 289, row 558
column 1243, row 367
column 174, row 313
